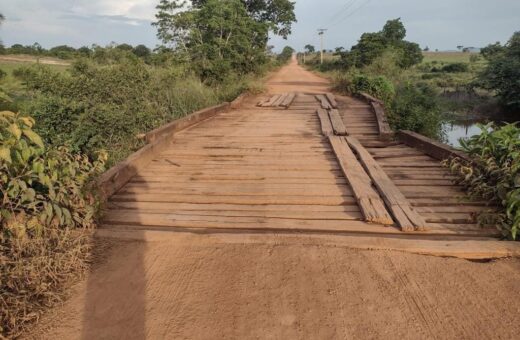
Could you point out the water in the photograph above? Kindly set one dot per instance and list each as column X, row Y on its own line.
column 457, row 130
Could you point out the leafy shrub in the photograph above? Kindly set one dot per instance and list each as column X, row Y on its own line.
column 377, row 86
column 45, row 194
column 416, row 108
column 106, row 107
column 494, row 174
column 455, row 68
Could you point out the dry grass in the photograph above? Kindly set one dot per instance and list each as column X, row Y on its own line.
column 35, row 273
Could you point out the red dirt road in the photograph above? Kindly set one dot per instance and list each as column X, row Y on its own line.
column 237, row 285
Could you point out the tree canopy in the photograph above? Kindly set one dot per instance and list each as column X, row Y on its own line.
column 278, row 14
column 215, row 37
column 503, row 71
column 372, row 45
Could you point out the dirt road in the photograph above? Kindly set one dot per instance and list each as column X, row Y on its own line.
column 237, row 285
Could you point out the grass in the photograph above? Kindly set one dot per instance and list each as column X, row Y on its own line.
column 448, row 57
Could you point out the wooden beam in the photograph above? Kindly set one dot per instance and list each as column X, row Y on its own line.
column 406, row 217
column 185, row 122
column 430, row 147
column 323, row 101
column 337, row 123
column 368, row 199
column 326, row 126
column 332, row 100
column 385, row 132
column 368, row 98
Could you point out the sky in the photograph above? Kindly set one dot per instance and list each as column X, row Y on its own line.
column 438, row 24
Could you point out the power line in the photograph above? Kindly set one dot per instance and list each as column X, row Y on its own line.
column 342, row 11
column 354, row 11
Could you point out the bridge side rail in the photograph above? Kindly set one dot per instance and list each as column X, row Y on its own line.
column 157, row 141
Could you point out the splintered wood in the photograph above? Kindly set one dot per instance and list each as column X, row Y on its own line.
column 406, row 217
column 278, row 100
column 368, row 199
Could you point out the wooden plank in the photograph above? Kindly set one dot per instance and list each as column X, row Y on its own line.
column 368, row 199
column 430, row 147
column 332, row 100
column 244, row 199
column 337, row 123
column 385, row 132
column 326, row 126
column 288, row 100
column 271, row 101
column 323, row 102
column 280, row 99
column 407, row 218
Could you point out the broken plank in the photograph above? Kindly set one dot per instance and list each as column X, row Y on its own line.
column 332, row 100
column 280, row 99
column 326, row 126
column 323, row 101
column 368, row 199
column 337, row 123
column 407, row 218
column 271, row 101
column 288, row 100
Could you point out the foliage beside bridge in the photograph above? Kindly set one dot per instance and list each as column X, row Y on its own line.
column 494, row 174
column 46, row 203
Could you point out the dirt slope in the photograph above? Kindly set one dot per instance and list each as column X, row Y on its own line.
column 275, row 286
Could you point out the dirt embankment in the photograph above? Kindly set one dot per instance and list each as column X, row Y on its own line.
column 31, row 59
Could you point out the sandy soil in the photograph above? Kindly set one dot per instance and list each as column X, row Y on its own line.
column 273, row 286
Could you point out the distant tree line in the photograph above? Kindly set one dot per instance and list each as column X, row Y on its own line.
column 69, row 52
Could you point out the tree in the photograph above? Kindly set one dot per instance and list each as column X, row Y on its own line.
column 278, row 14
column 309, row 48
column 394, row 31
column 125, row 47
column 286, row 54
column 426, row 49
column 373, row 45
column 141, row 51
column 503, row 71
column 218, row 37
column 85, row 51
column 460, row 47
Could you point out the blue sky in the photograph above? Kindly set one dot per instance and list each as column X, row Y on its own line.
column 440, row 24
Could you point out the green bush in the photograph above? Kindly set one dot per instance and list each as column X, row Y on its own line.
column 455, row 68
column 415, row 107
column 377, row 86
column 107, row 107
column 46, row 195
column 494, row 174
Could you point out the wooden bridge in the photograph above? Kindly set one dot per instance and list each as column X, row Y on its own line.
column 296, row 159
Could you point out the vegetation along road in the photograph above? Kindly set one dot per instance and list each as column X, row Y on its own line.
column 220, row 187
column 210, row 282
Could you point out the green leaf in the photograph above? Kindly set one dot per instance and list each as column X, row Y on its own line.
column 5, row 154
column 33, row 137
column 14, row 129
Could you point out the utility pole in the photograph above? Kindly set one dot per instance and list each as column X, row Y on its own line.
column 321, row 32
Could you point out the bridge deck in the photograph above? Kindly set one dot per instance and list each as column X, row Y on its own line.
column 271, row 169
